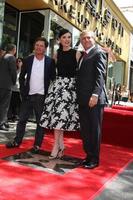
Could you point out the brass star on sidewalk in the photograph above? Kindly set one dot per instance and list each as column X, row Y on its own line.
column 41, row 161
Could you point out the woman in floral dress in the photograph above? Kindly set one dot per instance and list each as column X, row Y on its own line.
column 60, row 108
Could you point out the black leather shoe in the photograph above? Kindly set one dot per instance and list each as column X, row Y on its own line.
column 13, row 144
column 91, row 165
column 7, row 125
column 85, row 161
column 35, row 150
column 3, row 128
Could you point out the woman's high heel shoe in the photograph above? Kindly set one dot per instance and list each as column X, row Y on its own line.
column 52, row 157
column 61, row 153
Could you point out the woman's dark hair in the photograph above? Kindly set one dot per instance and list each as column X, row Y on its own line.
column 42, row 39
column 62, row 32
column 19, row 59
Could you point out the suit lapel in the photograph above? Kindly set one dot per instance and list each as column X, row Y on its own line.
column 88, row 56
column 93, row 52
column 30, row 63
column 45, row 66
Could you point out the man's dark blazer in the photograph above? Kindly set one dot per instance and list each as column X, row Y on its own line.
column 8, row 72
column 91, row 77
column 49, row 74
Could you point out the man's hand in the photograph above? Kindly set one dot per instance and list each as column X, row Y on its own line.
column 93, row 101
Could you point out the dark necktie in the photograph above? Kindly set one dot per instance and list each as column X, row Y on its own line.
column 85, row 54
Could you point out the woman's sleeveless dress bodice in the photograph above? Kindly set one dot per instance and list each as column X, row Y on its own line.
column 66, row 63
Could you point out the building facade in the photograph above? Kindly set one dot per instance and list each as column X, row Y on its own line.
column 22, row 21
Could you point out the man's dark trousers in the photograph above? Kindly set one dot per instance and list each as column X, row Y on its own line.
column 5, row 96
column 91, row 121
column 31, row 103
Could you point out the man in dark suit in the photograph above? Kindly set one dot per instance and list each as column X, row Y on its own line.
column 91, row 97
column 7, row 80
column 37, row 72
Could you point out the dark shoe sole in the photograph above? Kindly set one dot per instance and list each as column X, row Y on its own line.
column 13, row 144
column 35, row 150
column 91, row 166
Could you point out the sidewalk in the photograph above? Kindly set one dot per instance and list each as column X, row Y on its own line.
column 5, row 136
column 119, row 188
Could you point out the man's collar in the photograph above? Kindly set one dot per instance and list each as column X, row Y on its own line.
column 88, row 50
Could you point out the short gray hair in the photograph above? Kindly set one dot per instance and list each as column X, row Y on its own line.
column 90, row 33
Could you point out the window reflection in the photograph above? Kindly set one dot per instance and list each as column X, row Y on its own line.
column 32, row 25
column 57, row 23
column 10, row 25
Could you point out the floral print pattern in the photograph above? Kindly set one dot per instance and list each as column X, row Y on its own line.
column 60, row 107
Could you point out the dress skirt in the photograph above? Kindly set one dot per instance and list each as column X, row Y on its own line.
column 60, row 108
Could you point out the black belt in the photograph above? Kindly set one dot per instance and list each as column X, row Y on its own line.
column 36, row 95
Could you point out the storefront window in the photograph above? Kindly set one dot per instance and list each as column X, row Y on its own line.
column 10, row 25
column 57, row 23
column 45, row 23
column 131, row 79
column 31, row 27
column 115, row 76
column 118, row 72
column 2, row 6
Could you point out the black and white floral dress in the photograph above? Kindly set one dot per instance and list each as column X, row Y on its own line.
column 60, row 107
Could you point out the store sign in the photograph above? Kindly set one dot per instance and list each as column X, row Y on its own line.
column 95, row 9
column 106, row 40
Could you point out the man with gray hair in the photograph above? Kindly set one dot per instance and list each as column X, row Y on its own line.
column 7, row 80
column 91, row 97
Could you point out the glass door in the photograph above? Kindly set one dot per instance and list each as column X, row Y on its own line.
column 31, row 27
column 42, row 23
column 10, row 27
column 56, row 24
